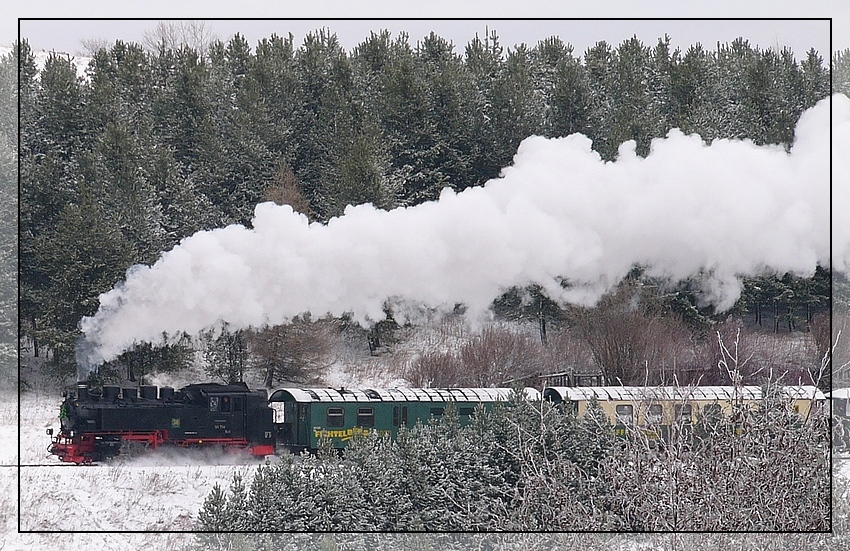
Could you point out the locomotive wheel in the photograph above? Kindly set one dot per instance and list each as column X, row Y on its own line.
column 131, row 449
column 106, row 448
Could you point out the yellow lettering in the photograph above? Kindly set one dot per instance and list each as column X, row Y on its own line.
column 347, row 434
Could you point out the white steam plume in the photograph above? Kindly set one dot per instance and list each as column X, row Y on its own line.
column 841, row 184
column 558, row 213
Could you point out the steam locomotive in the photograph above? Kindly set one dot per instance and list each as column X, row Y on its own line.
column 97, row 425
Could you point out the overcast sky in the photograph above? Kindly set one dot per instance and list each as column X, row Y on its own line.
column 68, row 36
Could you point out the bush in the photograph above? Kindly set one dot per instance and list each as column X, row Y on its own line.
column 528, row 466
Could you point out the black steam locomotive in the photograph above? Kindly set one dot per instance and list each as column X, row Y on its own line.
column 96, row 425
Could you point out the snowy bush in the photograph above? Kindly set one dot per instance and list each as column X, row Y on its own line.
column 528, row 466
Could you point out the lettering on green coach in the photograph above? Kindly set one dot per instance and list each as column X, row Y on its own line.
column 346, row 434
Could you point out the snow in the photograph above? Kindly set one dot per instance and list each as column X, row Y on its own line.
column 79, row 62
column 147, row 494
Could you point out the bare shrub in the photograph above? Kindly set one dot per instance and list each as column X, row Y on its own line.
column 771, row 476
column 791, row 358
column 841, row 349
column 173, row 35
column 299, row 351
column 285, row 190
column 840, row 499
column 821, row 338
column 495, row 356
column 437, row 369
column 630, row 342
column 566, row 350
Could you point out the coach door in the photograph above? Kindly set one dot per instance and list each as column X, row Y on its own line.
column 399, row 417
column 303, row 425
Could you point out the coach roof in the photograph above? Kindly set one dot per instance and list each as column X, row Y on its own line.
column 397, row 394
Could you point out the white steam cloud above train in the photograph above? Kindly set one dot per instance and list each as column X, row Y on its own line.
column 557, row 215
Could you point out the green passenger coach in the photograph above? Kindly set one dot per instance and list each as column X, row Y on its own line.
column 303, row 416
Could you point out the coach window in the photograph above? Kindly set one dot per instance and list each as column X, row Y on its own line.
column 336, row 417
column 624, row 414
column 465, row 411
column 683, row 413
column 365, row 417
column 655, row 414
column 437, row 412
column 225, row 404
column 213, row 403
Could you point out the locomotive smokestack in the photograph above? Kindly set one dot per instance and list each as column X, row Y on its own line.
column 85, row 357
column 82, row 390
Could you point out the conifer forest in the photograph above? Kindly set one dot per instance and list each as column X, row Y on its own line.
column 156, row 142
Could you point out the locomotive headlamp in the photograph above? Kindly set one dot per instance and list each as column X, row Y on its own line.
column 50, row 432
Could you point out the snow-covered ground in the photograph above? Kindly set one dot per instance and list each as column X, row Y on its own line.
column 65, row 506
column 146, row 494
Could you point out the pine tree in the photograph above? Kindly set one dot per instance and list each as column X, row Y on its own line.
column 8, row 211
column 450, row 116
column 599, row 62
column 841, row 72
column 278, row 97
column 225, row 353
column 181, row 110
column 733, row 63
column 395, row 95
column 815, row 78
column 695, row 98
column 495, row 119
column 635, row 115
column 567, row 86
column 241, row 163
column 340, row 161
column 80, row 258
column 214, row 515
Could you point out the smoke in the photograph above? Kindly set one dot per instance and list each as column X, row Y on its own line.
column 559, row 217
column 841, row 184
